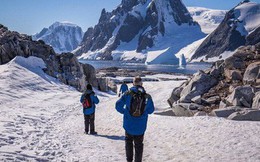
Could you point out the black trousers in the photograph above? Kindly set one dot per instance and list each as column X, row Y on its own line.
column 89, row 122
column 138, row 145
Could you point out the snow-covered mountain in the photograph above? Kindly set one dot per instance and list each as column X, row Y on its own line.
column 139, row 30
column 62, row 36
column 240, row 26
column 208, row 19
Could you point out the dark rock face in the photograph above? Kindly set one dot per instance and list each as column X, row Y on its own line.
column 254, row 37
column 224, row 38
column 127, row 22
column 65, row 67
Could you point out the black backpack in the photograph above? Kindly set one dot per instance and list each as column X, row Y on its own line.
column 87, row 103
column 138, row 103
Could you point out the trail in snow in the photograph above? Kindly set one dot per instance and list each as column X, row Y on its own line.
column 47, row 125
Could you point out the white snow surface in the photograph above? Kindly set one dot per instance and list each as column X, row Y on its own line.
column 41, row 120
column 190, row 49
column 247, row 16
column 208, row 19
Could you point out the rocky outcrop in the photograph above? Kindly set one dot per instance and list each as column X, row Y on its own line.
column 90, row 73
column 71, row 72
column 198, row 85
column 230, row 87
column 65, row 67
column 106, row 84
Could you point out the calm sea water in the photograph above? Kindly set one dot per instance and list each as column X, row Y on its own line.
column 188, row 69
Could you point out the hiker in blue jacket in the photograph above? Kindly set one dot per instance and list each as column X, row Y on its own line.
column 135, row 105
column 88, row 100
column 123, row 89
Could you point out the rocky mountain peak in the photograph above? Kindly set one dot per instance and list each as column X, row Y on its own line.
column 128, row 4
column 62, row 36
column 141, row 24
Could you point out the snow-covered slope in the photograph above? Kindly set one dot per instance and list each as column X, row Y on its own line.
column 233, row 32
column 41, row 120
column 62, row 36
column 208, row 19
column 248, row 17
column 148, row 30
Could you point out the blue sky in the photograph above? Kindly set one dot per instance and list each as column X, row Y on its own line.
column 31, row 16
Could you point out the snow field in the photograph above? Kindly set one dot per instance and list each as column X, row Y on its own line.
column 42, row 120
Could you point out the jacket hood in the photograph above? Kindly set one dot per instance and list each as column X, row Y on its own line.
column 137, row 88
column 88, row 92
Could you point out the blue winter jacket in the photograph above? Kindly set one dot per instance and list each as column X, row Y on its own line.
column 134, row 125
column 123, row 88
column 94, row 100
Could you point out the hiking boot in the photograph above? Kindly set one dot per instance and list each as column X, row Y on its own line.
column 93, row 133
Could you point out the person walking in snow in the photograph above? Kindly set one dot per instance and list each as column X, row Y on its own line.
column 135, row 105
column 88, row 100
column 123, row 89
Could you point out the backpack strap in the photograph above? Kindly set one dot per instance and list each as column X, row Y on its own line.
column 146, row 95
column 92, row 93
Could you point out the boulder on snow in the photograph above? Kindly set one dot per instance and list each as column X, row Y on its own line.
column 241, row 96
column 256, row 101
column 175, row 96
column 199, row 84
column 251, row 115
column 186, row 109
column 168, row 112
column 252, row 74
column 225, row 112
